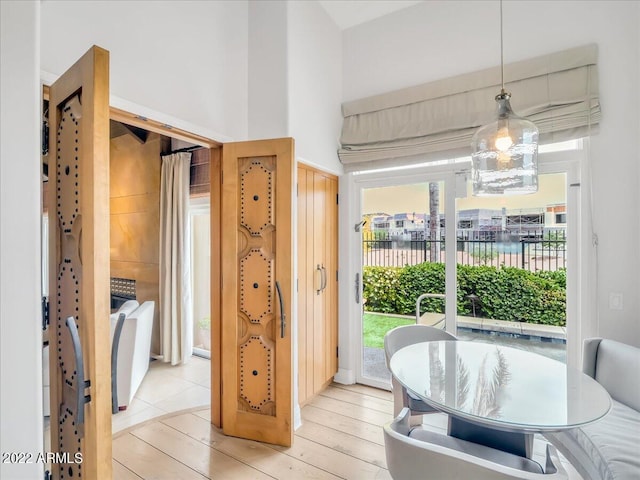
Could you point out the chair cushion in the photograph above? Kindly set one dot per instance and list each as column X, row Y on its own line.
column 612, row 443
column 617, row 370
column 477, row 450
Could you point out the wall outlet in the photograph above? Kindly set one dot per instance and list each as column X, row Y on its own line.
column 615, row 301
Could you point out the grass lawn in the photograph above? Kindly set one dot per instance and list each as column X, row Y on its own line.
column 376, row 325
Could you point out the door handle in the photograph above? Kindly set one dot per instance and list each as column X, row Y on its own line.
column 81, row 398
column 283, row 317
column 357, row 288
column 323, row 277
column 318, row 270
column 114, row 363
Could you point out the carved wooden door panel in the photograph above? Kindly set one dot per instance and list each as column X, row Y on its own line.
column 256, row 277
column 79, row 269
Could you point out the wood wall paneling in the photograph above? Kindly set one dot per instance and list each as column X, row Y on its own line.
column 317, row 281
column 135, row 216
column 302, row 282
column 319, row 298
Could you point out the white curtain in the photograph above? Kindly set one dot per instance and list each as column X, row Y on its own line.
column 176, row 316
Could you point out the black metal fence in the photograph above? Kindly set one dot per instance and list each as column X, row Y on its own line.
column 530, row 250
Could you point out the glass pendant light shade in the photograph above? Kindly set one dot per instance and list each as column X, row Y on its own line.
column 504, row 154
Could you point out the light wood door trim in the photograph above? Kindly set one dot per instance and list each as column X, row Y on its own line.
column 79, row 263
column 332, row 288
column 247, row 338
column 320, row 317
column 216, row 226
column 305, row 285
column 161, row 128
column 151, row 125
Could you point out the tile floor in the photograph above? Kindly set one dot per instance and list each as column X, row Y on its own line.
column 167, row 389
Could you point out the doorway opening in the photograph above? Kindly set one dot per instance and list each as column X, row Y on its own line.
column 134, row 221
column 504, row 282
column 200, row 229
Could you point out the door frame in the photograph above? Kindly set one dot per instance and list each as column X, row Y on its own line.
column 215, row 198
column 148, row 122
column 581, row 320
column 397, row 178
column 172, row 127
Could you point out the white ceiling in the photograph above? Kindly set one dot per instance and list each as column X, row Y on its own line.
column 348, row 13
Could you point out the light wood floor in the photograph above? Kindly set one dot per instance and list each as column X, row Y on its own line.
column 341, row 437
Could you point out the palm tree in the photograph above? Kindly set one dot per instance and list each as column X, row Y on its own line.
column 434, row 221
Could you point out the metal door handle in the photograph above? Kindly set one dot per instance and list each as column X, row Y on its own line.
column 114, row 363
column 357, row 288
column 318, row 270
column 323, row 272
column 283, row 317
column 81, row 398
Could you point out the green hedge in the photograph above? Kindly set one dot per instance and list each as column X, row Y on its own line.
column 505, row 293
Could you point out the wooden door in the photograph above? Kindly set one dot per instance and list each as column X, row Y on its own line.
column 331, row 279
column 317, row 280
column 256, row 277
column 79, row 268
column 319, row 263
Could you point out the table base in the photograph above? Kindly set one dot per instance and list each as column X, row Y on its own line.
column 518, row 443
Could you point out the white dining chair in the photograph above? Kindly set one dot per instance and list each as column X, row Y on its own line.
column 416, row 453
column 398, row 338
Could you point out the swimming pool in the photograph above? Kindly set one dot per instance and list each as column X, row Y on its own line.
column 549, row 347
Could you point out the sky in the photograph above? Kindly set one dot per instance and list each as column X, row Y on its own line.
column 415, row 198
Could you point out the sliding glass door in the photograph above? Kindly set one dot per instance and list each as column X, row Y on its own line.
column 406, row 266
column 512, row 268
column 501, row 270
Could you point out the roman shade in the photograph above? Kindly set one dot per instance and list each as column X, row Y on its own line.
column 434, row 121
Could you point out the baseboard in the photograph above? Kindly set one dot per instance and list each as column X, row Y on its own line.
column 297, row 417
column 345, row 377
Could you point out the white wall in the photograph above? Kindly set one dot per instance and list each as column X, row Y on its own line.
column 295, row 79
column 436, row 40
column 186, row 59
column 315, row 85
column 20, row 324
column 268, row 64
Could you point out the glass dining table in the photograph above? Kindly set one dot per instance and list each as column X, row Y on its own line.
column 499, row 396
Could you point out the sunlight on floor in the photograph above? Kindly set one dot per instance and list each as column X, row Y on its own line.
column 167, row 389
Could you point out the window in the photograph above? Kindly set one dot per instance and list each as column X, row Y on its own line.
column 201, row 275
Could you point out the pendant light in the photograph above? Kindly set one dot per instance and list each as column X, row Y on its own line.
column 505, row 152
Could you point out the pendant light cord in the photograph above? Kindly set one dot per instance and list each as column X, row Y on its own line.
column 501, row 51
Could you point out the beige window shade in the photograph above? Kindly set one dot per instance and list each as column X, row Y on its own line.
column 558, row 92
